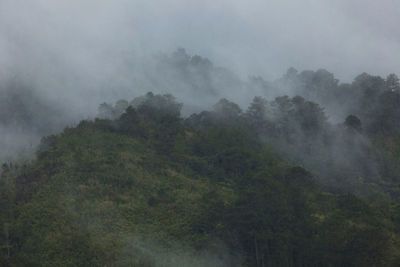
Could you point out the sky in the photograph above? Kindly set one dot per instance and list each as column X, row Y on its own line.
column 252, row 37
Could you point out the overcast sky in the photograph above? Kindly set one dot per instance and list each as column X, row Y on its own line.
column 261, row 37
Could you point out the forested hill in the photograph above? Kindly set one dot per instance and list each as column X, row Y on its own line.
column 275, row 185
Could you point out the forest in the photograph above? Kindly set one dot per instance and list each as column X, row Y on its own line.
column 305, row 172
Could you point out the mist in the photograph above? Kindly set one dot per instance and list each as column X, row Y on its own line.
column 200, row 133
column 256, row 37
column 72, row 56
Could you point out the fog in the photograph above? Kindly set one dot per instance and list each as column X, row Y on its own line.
column 74, row 55
column 252, row 37
column 60, row 60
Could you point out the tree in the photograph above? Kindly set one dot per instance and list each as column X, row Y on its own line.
column 392, row 82
column 352, row 122
column 291, row 73
column 157, row 105
column 385, row 118
column 227, row 110
column 106, row 111
column 120, row 107
column 257, row 110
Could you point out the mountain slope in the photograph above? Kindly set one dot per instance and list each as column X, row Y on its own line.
column 146, row 189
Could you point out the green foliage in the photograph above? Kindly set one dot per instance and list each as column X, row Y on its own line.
column 149, row 189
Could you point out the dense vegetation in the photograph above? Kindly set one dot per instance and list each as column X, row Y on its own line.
column 310, row 178
column 276, row 185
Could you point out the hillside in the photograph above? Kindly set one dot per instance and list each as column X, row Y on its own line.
column 149, row 188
